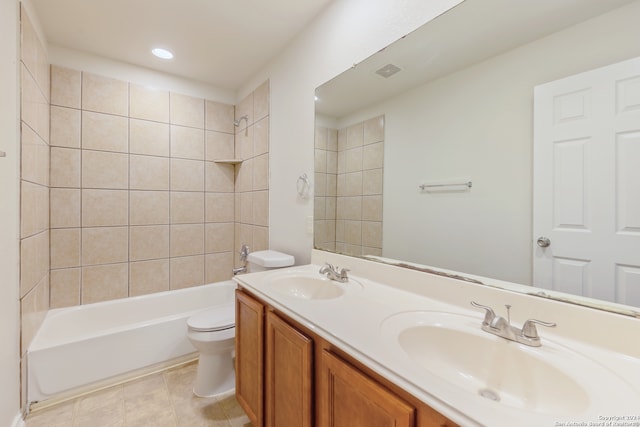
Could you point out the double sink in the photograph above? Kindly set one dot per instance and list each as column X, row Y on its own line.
column 450, row 346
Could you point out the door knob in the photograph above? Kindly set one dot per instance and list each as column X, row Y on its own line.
column 543, row 242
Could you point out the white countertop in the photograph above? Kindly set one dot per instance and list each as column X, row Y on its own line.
column 353, row 322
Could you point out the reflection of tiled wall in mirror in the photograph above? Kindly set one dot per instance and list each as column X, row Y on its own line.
column 348, row 193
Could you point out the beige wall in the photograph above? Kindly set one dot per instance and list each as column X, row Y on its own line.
column 34, row 183
column 139, row 203
column 9, row 214
column 349, row 165
column 252, row 174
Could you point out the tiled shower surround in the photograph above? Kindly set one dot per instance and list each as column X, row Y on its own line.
column 348, row 188
column 140, row 201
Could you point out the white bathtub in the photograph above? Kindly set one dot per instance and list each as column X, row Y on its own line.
column 78, row 347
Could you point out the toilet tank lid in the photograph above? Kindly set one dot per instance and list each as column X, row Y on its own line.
column 271, row 259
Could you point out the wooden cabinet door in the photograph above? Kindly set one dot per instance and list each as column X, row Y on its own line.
column 289, row 380
column 249, row 356
column 348, row 398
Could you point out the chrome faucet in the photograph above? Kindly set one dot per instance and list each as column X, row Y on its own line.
column 502, row 327
column 244, row 253
column 333, row 274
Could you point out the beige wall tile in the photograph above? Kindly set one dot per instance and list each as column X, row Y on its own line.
column 219, row 237
column 34, row 106
column 354, row 160
column 149, row 173
column 104, row 95
column 149, row 138
column 146, row 277
column 245, row 107
column 353, row 232
column 34, row 256
column 187, row 239
column 246, row 207
column 65, row 127
column 320, row 137
column 105, row 132
column 105, row 170
column 332, row 185
column 261, row 172
column 319, row 184
column 66, row 87
column 103, row 245
column 244, row 142
column 372, row 208
column 372, row 234
column 149, row 207
column 219, row 117
column 149, row 242
column 260, row 237
column 186, row 110
column 330, row 212
column 148, row 103
column 355, row 135
column 261, row 137
column 354, row 184
column 218, row 267
column 261, row 101
column 187, row 271
column 65, row 287
column 187, row 207
column 187, row 175
column 105, row 208
column 34, row 201
column 219, row 207
column 319, row 208
column 332, row 140
column 332, row 162
column 65, row 247
column 34, row 157
column 244, row 178
column 187, row 143
column 219, row 177
column 219, row 146
column 373, row 130
column 65, row 167
column 64, row 207
column 34, row 307
column 260, row 208
column 372, row 182
column 320, row 160
column 373, row 156
column 105, row 282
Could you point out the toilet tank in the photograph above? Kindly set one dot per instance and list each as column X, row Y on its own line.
column 267, row 260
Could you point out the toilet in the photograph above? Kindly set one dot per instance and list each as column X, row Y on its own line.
column 212, row 332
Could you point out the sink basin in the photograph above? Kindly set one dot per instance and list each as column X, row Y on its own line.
column 551, row 379
column 306, row 287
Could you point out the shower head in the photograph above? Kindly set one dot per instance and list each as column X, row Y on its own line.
column 236, row 123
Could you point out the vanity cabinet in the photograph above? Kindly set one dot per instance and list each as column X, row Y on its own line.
column 347, row 397
column 287, row 376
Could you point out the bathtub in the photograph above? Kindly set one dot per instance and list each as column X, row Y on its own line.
column 77, row 348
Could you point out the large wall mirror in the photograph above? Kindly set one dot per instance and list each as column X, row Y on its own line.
column 424, row 152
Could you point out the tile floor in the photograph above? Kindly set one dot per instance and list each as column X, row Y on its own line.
column 164, row 399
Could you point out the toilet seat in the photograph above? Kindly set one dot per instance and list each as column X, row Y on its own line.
column 213, row 319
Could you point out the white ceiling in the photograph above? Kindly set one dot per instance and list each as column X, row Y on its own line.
column 219, row 42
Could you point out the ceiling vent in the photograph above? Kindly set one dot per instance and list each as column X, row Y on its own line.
column 388, row 70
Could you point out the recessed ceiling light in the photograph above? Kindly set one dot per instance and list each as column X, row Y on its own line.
column 162, row 53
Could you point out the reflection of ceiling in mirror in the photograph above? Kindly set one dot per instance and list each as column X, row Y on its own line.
column 467, row 34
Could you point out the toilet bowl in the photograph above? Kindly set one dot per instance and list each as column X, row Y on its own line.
column 212, row 332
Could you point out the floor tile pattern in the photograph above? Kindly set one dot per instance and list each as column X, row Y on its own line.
column 164, row 399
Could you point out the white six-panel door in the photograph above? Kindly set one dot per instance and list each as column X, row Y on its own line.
column 586, row 187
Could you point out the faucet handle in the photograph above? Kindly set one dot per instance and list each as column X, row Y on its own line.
column 489, row 314
column 529, row 328
column 343, row 274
